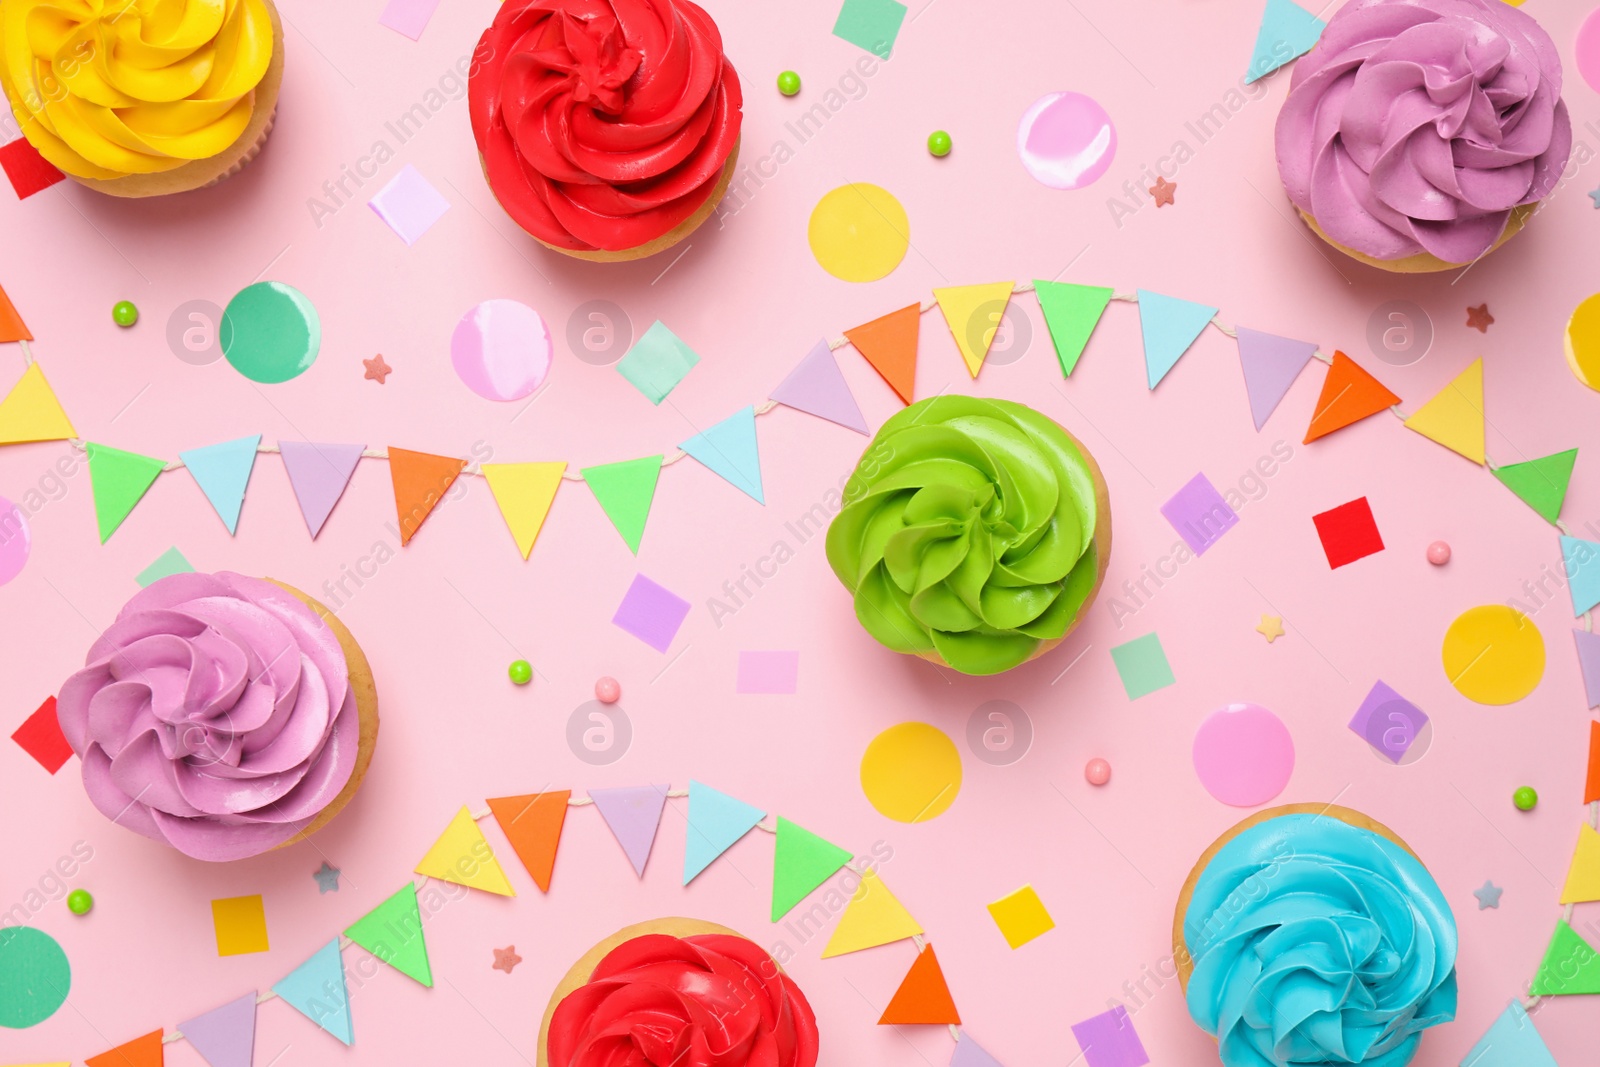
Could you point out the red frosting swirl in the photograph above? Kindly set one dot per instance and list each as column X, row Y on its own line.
column 603, row 124
column 712, row 1000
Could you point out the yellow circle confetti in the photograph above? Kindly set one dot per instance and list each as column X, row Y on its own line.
column 1493, row 654
column 859, row 232
column 911, row 772
column 1582, row 342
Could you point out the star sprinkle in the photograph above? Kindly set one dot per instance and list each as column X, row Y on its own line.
column 506, row 958
column 377, row 369
column 1595, row 196
column 1479, row 319
column 1162, row 190
column 327, row 877
column 1271, row 627
column 1488, row 895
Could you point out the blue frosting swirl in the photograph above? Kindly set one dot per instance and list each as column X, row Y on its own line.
column 1316, row 942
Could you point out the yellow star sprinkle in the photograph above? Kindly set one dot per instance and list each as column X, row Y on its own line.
column 1271, row 627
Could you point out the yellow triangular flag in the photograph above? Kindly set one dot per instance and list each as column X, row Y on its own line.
column 973, row 313
column 1583, row 877
column 873, row 917
column 1454, row 417
column 524, row 492
column 462, row 855
column 31, row 412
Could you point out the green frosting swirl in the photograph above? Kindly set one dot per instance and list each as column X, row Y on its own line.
column 969, row 531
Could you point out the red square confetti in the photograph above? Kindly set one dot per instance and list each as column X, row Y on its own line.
column 1348, row 532
column 28, row 170
column 40, row 737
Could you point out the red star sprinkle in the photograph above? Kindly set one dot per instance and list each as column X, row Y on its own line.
column 377, row 369
column 1479, row 319
column 1162, row 190
column 506, row 958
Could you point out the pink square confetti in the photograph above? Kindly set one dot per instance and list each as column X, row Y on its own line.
column 768, row 672
column 408, row 17
column 409, row 204
column 652, row 613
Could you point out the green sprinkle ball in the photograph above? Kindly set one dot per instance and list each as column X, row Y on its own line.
column 521, row 672
column 124, row 314
column 1525, row 798
column 79, row 902
column 788, row 83
column 939, row 143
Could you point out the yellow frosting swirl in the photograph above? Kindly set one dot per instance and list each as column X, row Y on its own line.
column 108, row 88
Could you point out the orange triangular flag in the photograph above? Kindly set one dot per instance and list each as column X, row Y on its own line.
column 923, row 997
column 1591, row 787
column 146, row 1051
column 533, row 826
column 890, row 345
column 12, row 328
column 420, row 482
column 1349, row 394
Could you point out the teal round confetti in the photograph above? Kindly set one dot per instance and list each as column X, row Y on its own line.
column 270, row 332
column 34, row 977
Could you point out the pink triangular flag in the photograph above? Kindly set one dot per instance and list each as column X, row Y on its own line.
column 1589, row 664
column 1271, row 364
column 319, row 473
column 225, row 1036
column 817, row 387
column 632, row 813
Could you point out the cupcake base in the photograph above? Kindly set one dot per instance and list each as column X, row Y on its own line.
column 1422, row 262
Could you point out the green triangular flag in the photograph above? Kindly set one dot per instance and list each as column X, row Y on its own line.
column 801, row 862
column 119, row 480
column 393, row 932
column 1541, row 483
column 1570, row 965
column 1071, row 312
column 625, row 491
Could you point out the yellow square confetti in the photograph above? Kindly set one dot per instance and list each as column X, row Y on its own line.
column 241, row 924
column 1021, row 916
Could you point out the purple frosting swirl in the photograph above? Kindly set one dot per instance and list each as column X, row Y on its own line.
column 215, row 714
column 1417, row 125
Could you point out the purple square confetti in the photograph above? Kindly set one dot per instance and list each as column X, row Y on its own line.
column 1109, row 1040
column 651, row 613
column 409, row 204
column 1199, row 514
column 408, row 17
column 1388, row 722
column 768, row 672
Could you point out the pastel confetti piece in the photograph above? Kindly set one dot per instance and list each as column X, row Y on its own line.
column 657, row 362
column 767, row 672
column 652, row 613
column 1199, row 514
column 408, row 203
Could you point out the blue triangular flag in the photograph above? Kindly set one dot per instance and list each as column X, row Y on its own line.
column 1511, row 1042
column 716, row 821
column 729, row 450
column 1287, row 31
column 1169, row 326
column 816, row 387
column 316, row 990
column 1582, row 562
column 222, row 472
column 1270, row 364
column 225, row 1036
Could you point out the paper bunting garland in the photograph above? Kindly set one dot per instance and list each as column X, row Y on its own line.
column 729, row 450
column 119, row 480
column 1349, row 394
column 625, row 491
column 889, row 343
column 716, row 822
column 1169, row 326
column 1581, row 560
column 1287, row 32
column 923, row 997
column 144, row 1051
column 533, row 824
column 801, row 862
column 392, row 932
column 31, row 412
column 633, row 814
column 420, row 482
column 12, row 328
column 969, row 1053
column 318, row 473
column 973, row 313
column 225, row 1036
column 1591, row 781
column 1583, row 877
column 1454, row 417
column 524, row 492
column 817, row 387
column 1270, row 364
column 316, row 989
column 872, row 918
column 1071, row 312
column 1570, row 965
column 1589, row 664
column 1511, row 1042
column 1541, row 483
column 222, row 472
column 463, row 856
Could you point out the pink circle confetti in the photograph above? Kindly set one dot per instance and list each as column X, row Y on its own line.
column 501, row 350
column 1066, row 140
column 1243, row 755
column 15, row 540
column 1587, row 47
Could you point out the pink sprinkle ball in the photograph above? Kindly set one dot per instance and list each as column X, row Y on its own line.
column 1439, row 553
column 1098, row 772
column 607, row 691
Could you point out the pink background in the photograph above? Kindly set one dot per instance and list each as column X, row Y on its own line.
column 442, row 620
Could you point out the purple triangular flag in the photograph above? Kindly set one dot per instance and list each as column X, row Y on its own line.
column 817, row 387
column 1271, row 364
column 969, row 1054
column 319, row 474
column 633, row 813
column 1589, row 663
column 225, row 1036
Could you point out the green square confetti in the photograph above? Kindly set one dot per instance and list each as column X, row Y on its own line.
column 657, row 362
column 1143, row 666
column 168, row 563
column 871, row 24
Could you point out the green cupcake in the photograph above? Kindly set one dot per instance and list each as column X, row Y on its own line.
column 976, row 533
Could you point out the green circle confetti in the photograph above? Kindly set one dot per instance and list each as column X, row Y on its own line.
column 34, row 977
column 270, row 332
